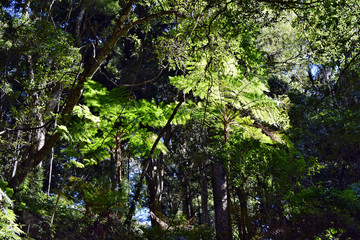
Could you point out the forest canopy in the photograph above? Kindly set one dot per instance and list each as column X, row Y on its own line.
column 179, row 119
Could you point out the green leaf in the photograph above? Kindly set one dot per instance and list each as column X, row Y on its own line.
column 76, row 164
column 64, row 131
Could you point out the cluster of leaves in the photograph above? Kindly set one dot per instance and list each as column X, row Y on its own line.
column 330, row 208
column 9, row 228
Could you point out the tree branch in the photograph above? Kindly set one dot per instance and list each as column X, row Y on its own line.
column 145, row 82
column 336, row 84
column 155, row 15
column 291, row 3
column 147, row 161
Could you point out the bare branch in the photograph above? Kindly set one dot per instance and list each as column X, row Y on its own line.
column 147, row 163
column 291, row 3
column 145, row 82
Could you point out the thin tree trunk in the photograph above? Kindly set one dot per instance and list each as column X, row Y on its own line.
column 155, row 183
column 17, row 153
column 244, row 225
column 160, row 171
column 78, row 27
column 239, row 221
column 57, row 199
column 113, row 177
column 53, row 149
column 204, row 196
column 26, row 8
column 151, row 186
column 186, row 197
column 118, row 159
column 50, row 171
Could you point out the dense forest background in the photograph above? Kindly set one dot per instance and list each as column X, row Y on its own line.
column 184, row 119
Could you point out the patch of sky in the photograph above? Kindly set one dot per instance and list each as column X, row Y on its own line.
column 142, row 216
column 13, row 11
column 314, row 69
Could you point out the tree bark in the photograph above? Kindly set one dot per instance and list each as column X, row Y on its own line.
column 154, row 180
column 113, row 177
column 222, row 218
column 17, row 152
column 116, row 164
column 221, row 192
column 186, row 196
column 78, row 27
column 119, row 164
column 205, row 219
column 244, row 224
column 151, row 186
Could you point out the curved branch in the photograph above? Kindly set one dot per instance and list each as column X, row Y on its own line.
column 147, row 161
column 145, row 82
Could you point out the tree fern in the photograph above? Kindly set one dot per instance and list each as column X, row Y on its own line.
column 229, row 96
column 110, row 114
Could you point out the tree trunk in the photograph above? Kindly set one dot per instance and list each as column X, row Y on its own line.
column 118, row 161
column 244, row 224
column 78, row 27
column 155, row 183
column 186, row 203
column 222, row 218
column 221, row 192
column 17, row 153
column 113, row 178
column 204, row 196
column 152, row 188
